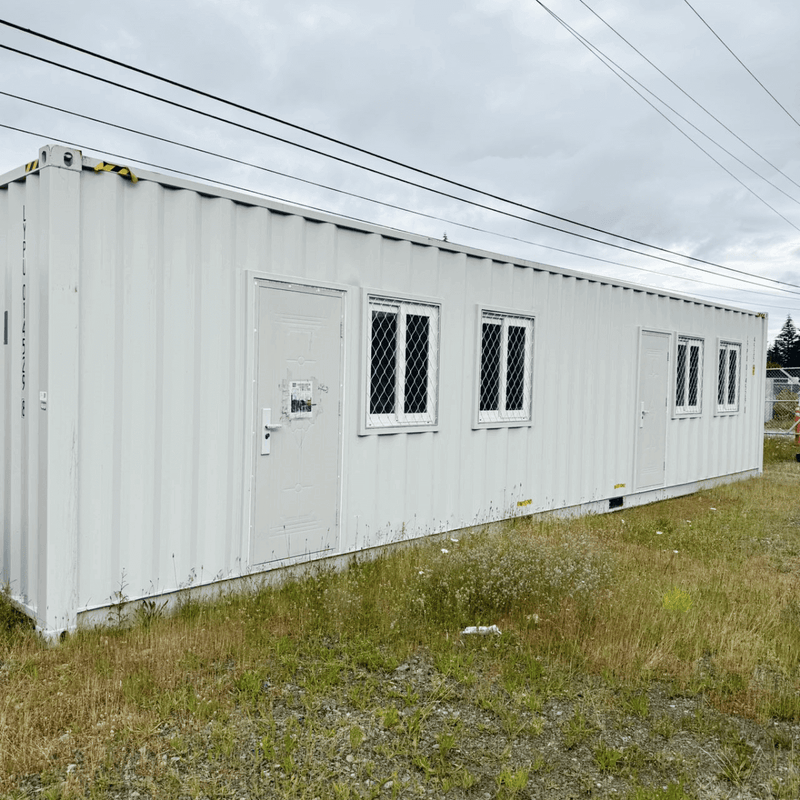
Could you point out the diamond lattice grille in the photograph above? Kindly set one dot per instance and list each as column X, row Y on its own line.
column 383, row 362
column 733, row 371
column 515, row 369
column 728, row 377
column 688, row 375
column 403, row 363
column 418, row 347
column 491, row 357
column 505, row 370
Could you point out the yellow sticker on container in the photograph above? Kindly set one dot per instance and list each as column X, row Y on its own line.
column 521, row 503
column 619, row 485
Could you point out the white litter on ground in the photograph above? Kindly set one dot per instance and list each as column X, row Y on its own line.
column 482, row 629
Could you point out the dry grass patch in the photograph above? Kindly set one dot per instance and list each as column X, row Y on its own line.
column 271, row 689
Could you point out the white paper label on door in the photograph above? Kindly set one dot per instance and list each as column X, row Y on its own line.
column 301, row 398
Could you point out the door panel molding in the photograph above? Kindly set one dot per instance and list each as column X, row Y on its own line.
column 299, row 314
column 652, row 409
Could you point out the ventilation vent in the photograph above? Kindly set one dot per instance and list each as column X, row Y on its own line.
column 615, row 502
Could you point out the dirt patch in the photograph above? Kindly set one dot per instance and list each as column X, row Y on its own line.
column 419, row 731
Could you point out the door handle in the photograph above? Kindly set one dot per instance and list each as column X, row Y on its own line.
column 266, row 426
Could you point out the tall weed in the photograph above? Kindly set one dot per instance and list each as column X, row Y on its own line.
column 490, row 575
column 13, row 623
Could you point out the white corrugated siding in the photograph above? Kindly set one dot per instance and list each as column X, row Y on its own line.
column 164, row 459
column 22, row 494
column 162, row 389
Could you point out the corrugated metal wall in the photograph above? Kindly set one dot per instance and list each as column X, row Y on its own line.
column 21, row 220
column 163, row 386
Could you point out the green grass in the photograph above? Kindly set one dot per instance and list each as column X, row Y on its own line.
column 600, row 596
column 779, row 449
column 15, row 627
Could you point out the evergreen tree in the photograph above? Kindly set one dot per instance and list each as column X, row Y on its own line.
column 785, row 349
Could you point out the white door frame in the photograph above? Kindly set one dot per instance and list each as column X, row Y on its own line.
column 255, row 279
column 637, row 406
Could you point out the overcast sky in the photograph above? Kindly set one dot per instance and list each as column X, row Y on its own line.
column 495, row 94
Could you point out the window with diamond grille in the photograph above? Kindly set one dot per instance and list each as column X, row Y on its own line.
column 403, row 363
column 505, row 370
column 689, row 376
column 728, row 376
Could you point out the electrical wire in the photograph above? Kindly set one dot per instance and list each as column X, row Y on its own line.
column 617, row 69
column 354, row 195
column 719, row 39
column 687, row 95
column 447, row 194
column 363, row 221
column 364, row 197
column 344, row 144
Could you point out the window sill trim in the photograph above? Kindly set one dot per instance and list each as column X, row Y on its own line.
column 687, row 414
column 366, row 430
column 502, row 423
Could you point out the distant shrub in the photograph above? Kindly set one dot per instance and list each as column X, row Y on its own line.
column 13, row 623
column 784, row 406
column 488, row 575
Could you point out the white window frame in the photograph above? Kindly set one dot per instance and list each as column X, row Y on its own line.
column 685, row 409
column 504, row 417
column 398, row 419
column 723, row 381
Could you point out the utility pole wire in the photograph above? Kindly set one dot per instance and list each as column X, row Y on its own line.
column 437, row 218
column 407, row 182
column 617, row 69
column 341, row 143
column 696, row 102
column 719, row 39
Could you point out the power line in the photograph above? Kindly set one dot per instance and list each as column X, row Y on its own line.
column 353, row 147
column 365, row 198
column 736, row 302
column 719, row 39
column 419, row 185
column 378, row 202
column 392, row 205
column 617, row 69
column 686, row 94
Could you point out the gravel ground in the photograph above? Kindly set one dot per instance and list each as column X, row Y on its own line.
column 418, row 732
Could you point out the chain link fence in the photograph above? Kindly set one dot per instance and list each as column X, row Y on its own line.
column 783, row 394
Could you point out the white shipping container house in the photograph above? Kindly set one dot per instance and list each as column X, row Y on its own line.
column 200, row 385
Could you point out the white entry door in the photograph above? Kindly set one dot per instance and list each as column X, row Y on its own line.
column 651, row 412
column 297, row 421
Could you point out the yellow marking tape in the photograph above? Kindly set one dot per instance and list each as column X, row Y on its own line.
column 123, row 171
column 32, row 166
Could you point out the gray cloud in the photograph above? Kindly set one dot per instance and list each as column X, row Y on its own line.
column 491, row 92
